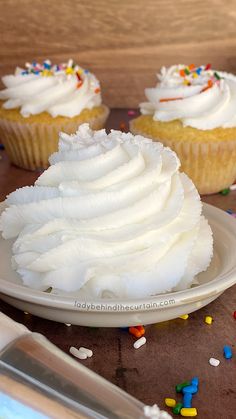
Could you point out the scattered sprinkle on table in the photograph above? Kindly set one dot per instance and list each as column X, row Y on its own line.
column 177, row 408
column 87, row 351
column 131, row 112
column 234, row 314
column 77, row 353
column 214, row 362
column 137, row 331
column 208, row 320
column 189, row 412
column 170, row 402
column 81, row 353
column 68, row 324
column 233, row 187
column 140, row 342
column 227, row 352
column 225, row 191
column 184, row 317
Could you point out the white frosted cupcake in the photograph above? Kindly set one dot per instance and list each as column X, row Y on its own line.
column 112, row 216
column 42, row 100
column 193, row 111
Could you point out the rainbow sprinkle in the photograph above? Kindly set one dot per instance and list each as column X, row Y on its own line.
column 47, row 69
column 189, row 73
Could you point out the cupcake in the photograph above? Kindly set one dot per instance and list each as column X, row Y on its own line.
column 111, row 217
column 193, row 111
column 42, row 100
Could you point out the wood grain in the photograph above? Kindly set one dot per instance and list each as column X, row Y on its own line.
column 123, row 42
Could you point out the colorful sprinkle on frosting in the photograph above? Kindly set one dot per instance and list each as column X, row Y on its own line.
column 47, row 69
column 190, row 73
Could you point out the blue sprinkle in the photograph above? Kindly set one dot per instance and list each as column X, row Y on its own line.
column 187, row 400
column 229, row 211
column 190, row 389
column 86, row 71
column 195, row 381
column 47, row 66
column 227, row 352
column 199, row 70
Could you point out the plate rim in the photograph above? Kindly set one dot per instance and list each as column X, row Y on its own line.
column 213, row 288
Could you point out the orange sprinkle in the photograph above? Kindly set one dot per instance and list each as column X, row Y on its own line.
column 79, row 84
column 135, row 332
column 182, row 73
column 97, row 90
column 122, row 126
column 141, row 329
column 169, row 99
column 210, row 83
column 191, row 66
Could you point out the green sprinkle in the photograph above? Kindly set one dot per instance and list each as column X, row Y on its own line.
column 48, row 290
column 177, row 408
column 225, row 191
column 179, row 387
column 187, row 71
column 217, row 75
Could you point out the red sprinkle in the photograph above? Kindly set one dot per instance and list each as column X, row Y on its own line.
column 208, row 66
column 234, row 314
column 79, row 84
column 78, row 76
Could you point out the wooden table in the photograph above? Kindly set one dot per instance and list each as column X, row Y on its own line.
column 175, row 351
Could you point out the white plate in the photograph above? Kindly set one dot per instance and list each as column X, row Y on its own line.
column 117, row 313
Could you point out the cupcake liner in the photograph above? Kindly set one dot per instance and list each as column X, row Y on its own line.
column 210, row 165
column 29, row 145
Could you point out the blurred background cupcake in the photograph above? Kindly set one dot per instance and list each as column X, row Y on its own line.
column 42, row 100
column 193, row 111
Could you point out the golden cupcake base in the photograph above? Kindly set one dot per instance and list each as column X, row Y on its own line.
column 208, row 157
column 30, row 141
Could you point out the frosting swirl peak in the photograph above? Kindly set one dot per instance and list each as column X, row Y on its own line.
column 200, row 97
column 61, row 90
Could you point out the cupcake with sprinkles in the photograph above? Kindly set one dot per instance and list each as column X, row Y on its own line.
column 193, row 111
column 42, row 100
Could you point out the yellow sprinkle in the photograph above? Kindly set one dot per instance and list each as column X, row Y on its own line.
column 46, row 73
column 80, row 71
column 195, row 75
column 170, row 402
column 208, row 319
column 184, row 317
column 69, row 70
column 186, row 82
column 188, row 411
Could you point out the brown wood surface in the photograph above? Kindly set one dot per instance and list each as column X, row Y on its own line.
column 175, row 351
column 123, row 42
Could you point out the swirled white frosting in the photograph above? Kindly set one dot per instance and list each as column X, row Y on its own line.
column 111, row 216
column 57, row 90
column 191, row 100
